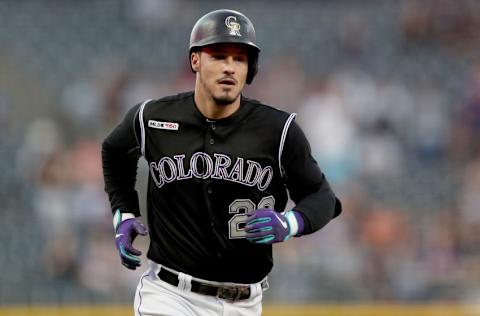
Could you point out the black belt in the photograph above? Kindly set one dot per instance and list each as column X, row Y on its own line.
column 230, row 293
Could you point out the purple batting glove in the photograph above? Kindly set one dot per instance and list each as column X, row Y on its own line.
column 126, row 233
column 266, row 226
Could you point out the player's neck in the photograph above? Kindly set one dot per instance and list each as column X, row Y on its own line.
column 211, row 109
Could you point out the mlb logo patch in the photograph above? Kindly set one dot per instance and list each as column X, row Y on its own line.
column 163, row 125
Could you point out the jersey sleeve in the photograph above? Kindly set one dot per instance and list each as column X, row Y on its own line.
column 120, row 154
column 306, row 183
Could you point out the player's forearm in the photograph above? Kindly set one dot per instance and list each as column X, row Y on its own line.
column 317, row 209
column 119, row 172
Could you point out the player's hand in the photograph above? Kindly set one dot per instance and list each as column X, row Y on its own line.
column 265, row 226
column 126, row 233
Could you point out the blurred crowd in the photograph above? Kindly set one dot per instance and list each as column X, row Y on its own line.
column 388, row 95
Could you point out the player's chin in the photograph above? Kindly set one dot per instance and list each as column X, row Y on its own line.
column 226, row 97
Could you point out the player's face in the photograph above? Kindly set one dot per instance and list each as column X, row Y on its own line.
column 222, row 71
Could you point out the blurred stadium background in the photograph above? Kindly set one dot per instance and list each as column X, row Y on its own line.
column 387, row 91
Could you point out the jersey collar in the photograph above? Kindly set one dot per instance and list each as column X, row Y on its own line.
column 236, row 117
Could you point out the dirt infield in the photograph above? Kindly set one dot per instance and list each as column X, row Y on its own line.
column 269, row 310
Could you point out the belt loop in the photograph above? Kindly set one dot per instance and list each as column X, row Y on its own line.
column 188, row 282
column 154, row 269
column 184, row 281
column 264, row 285
column 181, row 281
column 254, row 289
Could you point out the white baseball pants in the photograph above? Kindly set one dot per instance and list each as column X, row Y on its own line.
column 154, row 297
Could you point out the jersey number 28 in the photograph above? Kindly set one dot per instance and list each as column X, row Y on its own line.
column 240, row 207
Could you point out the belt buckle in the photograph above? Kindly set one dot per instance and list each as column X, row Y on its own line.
column 231, row 293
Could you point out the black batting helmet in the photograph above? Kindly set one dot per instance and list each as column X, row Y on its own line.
column 226, row 26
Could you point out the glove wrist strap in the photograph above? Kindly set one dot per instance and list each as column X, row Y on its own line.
column 292, row 223
column 295, row 222
column 119, row 217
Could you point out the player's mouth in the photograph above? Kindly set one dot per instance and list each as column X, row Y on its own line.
column 228, row 81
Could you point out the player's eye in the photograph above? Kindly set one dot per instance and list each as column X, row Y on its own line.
column 218, row 56
column 240, row 58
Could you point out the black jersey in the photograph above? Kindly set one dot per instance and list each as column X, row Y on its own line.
column 205, row 175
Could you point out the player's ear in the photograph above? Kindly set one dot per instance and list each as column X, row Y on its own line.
column 195, row 61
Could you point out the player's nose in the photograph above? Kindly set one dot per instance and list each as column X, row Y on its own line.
column 228, row 65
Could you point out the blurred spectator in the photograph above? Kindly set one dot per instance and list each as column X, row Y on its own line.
column 381, row 155
column 52, row 194
column 114, row 95
column 465, row 135
column 4, row 111
column 282, row 81
column 429, row 127
column 453, row 23
column 60, row 256
column 332, row 133
column 41, row 138
column 87, row 185
column 81, row 101
column 469, row 207
column 383, row 231
column 154, row 14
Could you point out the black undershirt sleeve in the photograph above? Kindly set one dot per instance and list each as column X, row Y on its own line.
column 306, row 183
column 120, row 154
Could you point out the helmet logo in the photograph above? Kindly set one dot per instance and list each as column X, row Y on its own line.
column 234, row 27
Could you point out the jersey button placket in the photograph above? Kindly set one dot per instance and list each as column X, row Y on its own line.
column 211, row 140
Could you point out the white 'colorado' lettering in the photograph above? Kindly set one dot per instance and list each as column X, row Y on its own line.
column 222, row 162
column 171, row 165
column 236, row 174
column 206, row 165
column 202, row 166
column 181, row 169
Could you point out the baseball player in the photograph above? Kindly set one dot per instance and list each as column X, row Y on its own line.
column 220, row 166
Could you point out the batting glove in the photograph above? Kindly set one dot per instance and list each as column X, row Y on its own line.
column 265, row 226
column 126, row 231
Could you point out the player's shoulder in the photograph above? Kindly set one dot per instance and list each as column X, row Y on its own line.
column 168, row 105
column 264, row 110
